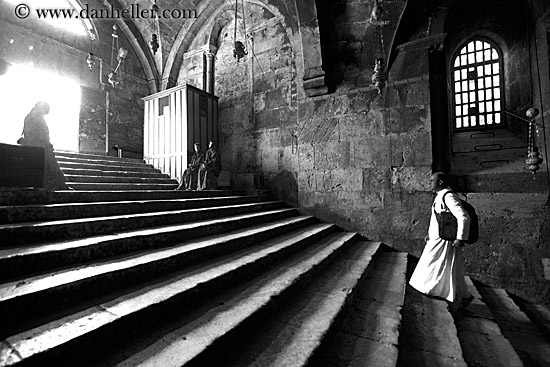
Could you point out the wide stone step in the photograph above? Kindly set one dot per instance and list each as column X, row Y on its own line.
column 137, row 167
column 299, row 333
column 66, row 287
column 528, row 341
column 369, row 335
column 108, row 161
column 246, row 228
column 173, row 296
column 65, row 153
column 123, row 270
column 217, row 331
column 30, row 196
column 118, row 179
column 92, row 172
column 480, row 336
column 36, row 232
column 428, row 336
column 97, row 172
column 92, row 186
column 64, row 211
column 539, row 315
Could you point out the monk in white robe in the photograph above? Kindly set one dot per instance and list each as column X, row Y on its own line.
column 440, row 269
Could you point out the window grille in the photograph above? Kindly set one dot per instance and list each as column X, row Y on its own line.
column 477, row 86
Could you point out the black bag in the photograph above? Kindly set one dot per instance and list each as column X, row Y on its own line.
column 447, row 226
column 448, row 223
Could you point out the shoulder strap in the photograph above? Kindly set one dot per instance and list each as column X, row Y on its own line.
column 443, row 198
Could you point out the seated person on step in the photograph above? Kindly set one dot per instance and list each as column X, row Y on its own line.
column 190, row 178
column 210, row 169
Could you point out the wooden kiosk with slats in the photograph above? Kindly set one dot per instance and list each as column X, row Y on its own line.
column 174, row 120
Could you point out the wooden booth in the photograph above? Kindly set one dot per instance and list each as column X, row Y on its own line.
column 175, row 119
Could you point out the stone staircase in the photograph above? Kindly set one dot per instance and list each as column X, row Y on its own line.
column 100, row 172
column 228, row 278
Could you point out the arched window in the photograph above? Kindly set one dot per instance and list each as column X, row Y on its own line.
column 477, row 86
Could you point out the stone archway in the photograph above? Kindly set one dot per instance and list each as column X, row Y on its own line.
column 209, row 10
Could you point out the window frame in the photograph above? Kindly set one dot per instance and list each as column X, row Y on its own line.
column 453, row 102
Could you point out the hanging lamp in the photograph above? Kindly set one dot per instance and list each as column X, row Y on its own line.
column 121, row 56
column 533, row 160
column 112, row 77
column 377, row 13
column 240, row 50
column 154, row 44
column 379, row 77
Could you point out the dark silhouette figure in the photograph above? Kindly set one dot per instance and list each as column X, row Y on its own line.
column 190, row 177
column 210, row 169
column 37, row 134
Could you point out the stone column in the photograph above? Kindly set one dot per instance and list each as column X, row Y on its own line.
column 314, row 75
column 209, row 70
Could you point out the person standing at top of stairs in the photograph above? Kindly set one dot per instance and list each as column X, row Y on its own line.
column 36, row 134
column 440, row 269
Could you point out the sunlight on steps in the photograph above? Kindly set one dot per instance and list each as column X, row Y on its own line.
column 99, row 172
column 158, row 277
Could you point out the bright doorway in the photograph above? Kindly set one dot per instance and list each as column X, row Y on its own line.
column 21, row 87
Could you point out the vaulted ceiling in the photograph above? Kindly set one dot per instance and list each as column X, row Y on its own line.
column 329, row 36
column 181, row 23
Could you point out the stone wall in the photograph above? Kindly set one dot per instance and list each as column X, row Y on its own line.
column 362, row 159
column 91, row 137
column 258, row 104
column 124, row 116
column 514, row 241
column 354, row 157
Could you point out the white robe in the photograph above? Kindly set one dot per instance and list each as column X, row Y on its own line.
column 440, row 270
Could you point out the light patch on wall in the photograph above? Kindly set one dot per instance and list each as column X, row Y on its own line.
column 21, row 87
column 546, row 268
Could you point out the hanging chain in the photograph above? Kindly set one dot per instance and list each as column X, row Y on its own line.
column 381, row 43
column 378, row 28
column 244, row 19
column 380, row 76
column 157, row 20
column 240, row 49
column 235, row 34
column 530, row 144
column 114, row 45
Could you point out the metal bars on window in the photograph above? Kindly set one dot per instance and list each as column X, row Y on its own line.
column 477, row 86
